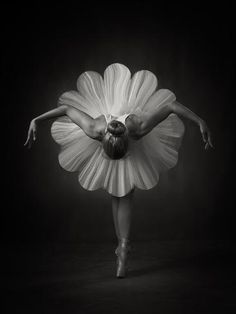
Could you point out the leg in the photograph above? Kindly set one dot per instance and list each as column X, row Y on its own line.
column 124, row 223
column 115, row 205
column 124, row 215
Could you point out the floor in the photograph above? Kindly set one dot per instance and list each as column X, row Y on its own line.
column 164, row 277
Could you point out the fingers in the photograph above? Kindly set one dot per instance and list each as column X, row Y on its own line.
column 31, row 137
column 26, row 142
column 204, row 136
column 210, row 140
column 207, row 146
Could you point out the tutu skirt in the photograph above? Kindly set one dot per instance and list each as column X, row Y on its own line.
column 116, row 96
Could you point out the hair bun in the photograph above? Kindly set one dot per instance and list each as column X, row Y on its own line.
column 116, row 128
column 115, row 142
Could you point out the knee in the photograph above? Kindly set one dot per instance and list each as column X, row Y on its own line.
column 114, row 198
column 130, row 194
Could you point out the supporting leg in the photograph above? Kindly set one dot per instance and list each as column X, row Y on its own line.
column 124, row 215
column 124, row 223
column 115, row 205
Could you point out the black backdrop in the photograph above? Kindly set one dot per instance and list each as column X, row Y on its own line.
column 190, row 49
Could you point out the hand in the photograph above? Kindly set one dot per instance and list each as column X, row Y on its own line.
column 31, row 134
column 206, row 134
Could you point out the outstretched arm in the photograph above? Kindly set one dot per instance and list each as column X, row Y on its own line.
column 151, row 119
column 83, row 120
column 181, row 110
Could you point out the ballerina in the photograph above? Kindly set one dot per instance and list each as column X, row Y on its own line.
column 119, row 133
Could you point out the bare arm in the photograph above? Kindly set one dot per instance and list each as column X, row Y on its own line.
column 151, row 119
column 83, row 120
column 183, row 111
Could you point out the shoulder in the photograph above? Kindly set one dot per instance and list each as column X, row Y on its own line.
column 134, row 124
column 99, row 127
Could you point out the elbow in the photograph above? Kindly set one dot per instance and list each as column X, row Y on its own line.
column 172, row 107
column 91, row 129
column 64, row 109
column 144, row 129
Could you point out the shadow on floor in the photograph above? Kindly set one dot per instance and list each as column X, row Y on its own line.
column 164, row 277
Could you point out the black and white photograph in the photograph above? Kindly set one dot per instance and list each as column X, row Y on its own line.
column 118, row 168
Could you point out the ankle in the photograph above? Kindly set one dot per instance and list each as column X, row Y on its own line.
column 124, row 240
column 125, row 244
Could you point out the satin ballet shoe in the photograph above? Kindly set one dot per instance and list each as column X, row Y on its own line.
column 122, row 252
column 118, row 247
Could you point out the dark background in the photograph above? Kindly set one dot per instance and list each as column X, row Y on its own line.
column 190, row 49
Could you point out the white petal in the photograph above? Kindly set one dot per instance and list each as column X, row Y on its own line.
column 90, row 85
column 116, row 84
column 74, row 99
column 73, row 156
column 143, row 85
column 161, row 97
column 64, row 131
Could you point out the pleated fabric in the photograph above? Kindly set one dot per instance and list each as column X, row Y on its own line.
column 116, row 96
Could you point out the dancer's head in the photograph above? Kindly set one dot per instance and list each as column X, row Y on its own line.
column 115, row 141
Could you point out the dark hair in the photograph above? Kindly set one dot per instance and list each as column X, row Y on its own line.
column 115, row 141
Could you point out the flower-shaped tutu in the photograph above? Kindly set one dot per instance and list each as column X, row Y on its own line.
column 116, row 96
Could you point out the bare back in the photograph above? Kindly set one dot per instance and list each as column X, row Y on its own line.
column 132, row 122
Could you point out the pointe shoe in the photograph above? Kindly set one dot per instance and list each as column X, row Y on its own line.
column 122, row 254
column 118, row 247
